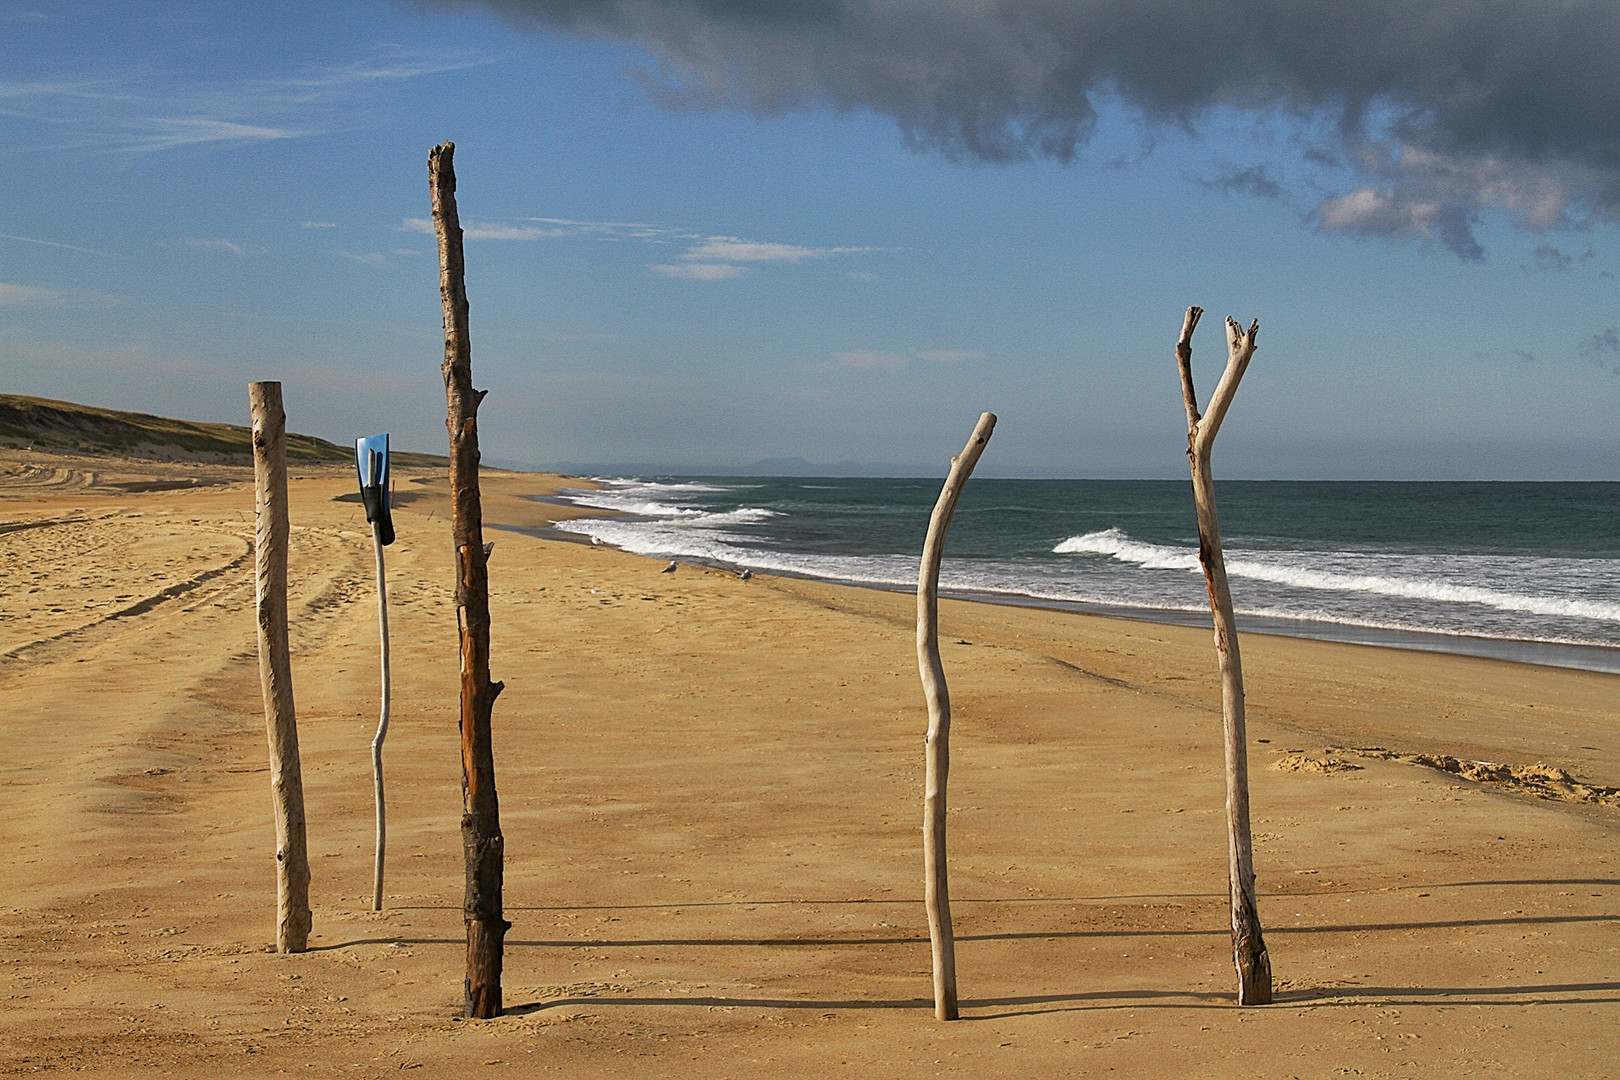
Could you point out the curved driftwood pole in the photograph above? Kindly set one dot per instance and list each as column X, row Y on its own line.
column 382, row 732
column 1248, row 946
column 483, row 847
column 936, row 892
column 270, row 535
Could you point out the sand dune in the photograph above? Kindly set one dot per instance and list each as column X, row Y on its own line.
column 711, row 799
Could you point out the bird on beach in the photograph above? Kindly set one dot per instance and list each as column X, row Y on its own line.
column 745, row 575
column 670, row 569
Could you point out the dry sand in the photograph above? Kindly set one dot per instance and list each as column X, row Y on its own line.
column 710, row 791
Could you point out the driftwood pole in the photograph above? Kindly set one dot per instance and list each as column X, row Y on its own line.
column 382, row 732
column 937, row 752
column 275, row 665
column 1248, row 946
column 482, row 845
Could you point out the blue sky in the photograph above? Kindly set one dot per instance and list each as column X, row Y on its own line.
column 705, row 255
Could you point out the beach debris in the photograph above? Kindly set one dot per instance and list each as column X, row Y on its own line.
column 1540, row 780
column 270, row 534
column 483, row 847
column 670, row 569
column 937, row 746
column 371, row 462
column 1249, row 953
column 1315, row 763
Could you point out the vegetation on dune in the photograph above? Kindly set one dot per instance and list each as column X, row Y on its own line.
column 63, row 426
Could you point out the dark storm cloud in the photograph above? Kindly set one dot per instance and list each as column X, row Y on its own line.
column 1251, row 181
column 1602, row 349
column 1547, row 257
column 1442, row 109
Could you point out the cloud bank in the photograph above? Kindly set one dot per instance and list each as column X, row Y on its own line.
column 1436, row 112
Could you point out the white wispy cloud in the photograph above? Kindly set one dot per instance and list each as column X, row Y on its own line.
column 948, row 356
column 617, row 230
column 28, row 296
column 880, row 358
column 214, row 243
column 51, row 243
column 378, row 260
column 733, row 249
column 317, row 224
column 169, row 133
column 477, row 231
column 871, row 358
column 150, row 111
column 696, row 271
column 485, row 230
column 539, row 228
column 706, row 258
column 42, row 91
column 584, row 337
column 390, row 63
column 32, row 296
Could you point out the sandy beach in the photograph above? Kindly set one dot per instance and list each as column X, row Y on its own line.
column 711, row 797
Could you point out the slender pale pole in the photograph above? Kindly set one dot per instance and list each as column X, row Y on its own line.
column 1249, row 954
column 382, row 732
column 482, row 845
column 937, row 746
column 275, row 664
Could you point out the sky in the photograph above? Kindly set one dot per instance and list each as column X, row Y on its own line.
column 706, row 234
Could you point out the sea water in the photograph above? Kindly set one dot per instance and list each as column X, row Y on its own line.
column 1523, row 571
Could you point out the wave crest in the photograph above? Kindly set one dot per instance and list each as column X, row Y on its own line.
column 1119, row 544
column 1298, row 573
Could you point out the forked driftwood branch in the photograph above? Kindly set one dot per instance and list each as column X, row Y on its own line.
column 483, row 847
column 1248, row 946
column 270, row 534
column 936, row 892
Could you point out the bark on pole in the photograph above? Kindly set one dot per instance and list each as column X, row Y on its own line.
column 937, row 753
column 275, row 664
column 382, row 733
column 482, row 845
column 1248, row 946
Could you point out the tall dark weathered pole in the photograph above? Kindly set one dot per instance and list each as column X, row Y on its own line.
column 482, row 845
column 1249, row 954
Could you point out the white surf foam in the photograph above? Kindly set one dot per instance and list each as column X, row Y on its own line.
column 1453, row 585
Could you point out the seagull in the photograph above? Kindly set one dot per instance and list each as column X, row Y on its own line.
column 746, row 574
column 670, row 569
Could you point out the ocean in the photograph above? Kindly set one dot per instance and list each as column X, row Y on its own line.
column 1519, row 571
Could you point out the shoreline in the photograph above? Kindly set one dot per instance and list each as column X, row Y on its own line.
column 1567, row 655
